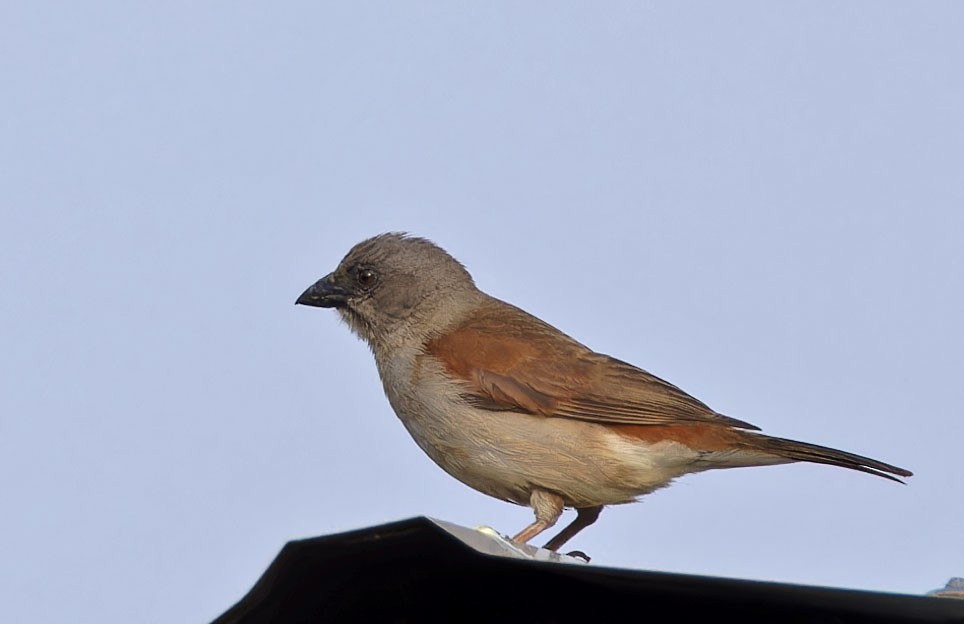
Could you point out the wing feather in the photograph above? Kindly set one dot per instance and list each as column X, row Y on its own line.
column 509, row 360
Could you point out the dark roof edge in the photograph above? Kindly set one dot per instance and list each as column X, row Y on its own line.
column 309, row 572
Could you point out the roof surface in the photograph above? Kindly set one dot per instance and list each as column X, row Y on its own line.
column 423, row 570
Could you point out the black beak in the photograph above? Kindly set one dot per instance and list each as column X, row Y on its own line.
column 324, row 294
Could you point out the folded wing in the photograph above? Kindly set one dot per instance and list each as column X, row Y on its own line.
column 509, row 360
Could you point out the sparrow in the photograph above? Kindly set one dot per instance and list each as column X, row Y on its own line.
column 516, row 409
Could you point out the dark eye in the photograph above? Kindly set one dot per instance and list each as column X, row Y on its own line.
column 366, row 277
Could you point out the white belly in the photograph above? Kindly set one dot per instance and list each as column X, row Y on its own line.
column 508, row 454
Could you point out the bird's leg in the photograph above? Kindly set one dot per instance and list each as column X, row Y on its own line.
column 547, row 507
column 584, row 517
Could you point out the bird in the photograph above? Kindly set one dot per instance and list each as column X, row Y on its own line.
column 518, row 410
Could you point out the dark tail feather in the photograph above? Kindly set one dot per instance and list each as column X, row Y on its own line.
column 803, row 451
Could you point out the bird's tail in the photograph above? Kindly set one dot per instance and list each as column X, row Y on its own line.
column 804, row 451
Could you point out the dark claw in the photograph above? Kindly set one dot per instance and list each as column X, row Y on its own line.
column 579, row 555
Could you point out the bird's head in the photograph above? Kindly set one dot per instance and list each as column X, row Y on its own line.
column 393, row 287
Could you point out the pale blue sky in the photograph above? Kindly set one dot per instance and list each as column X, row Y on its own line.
column 760, row 202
